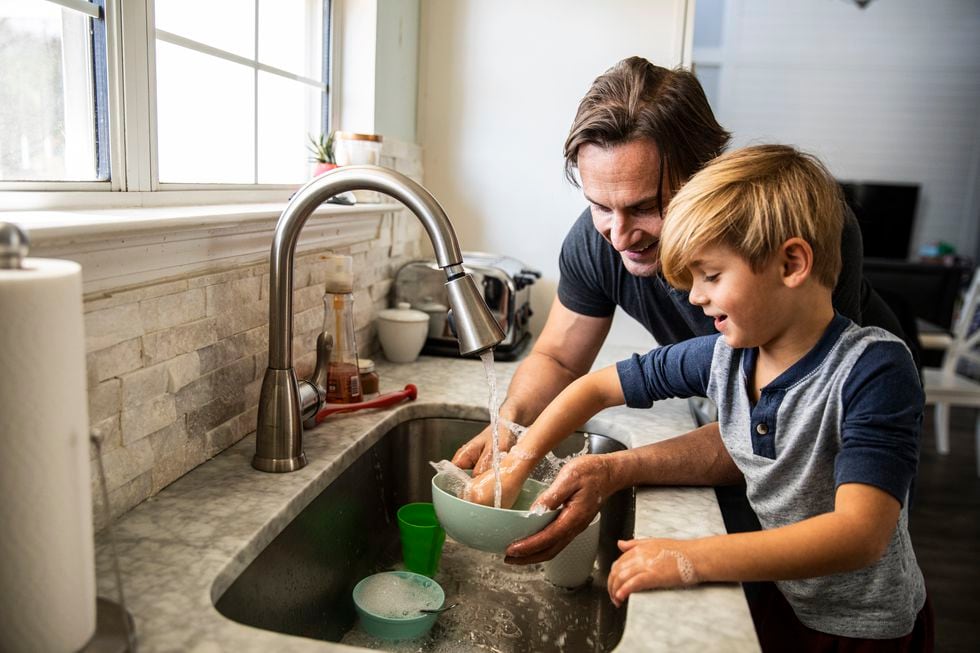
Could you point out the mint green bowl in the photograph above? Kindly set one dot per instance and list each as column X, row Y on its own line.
column 388, row 604
column 484, row 527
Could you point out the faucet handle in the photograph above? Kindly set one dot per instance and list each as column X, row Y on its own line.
column 313, row 391
column 324, row 346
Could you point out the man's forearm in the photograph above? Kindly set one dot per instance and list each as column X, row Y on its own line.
column 536, row 382
column 696, row 458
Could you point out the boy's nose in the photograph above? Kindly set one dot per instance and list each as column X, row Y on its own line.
column 695, row 296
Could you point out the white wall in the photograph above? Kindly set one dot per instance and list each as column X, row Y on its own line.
column 376, row 67
column 355, row 65
column 499, row 85
column 887, row 93
column 397, row 69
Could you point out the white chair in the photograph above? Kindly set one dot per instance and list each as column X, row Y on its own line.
column 944, row 387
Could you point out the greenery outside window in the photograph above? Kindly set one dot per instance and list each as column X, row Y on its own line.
column 50, row 93
column 222, row 94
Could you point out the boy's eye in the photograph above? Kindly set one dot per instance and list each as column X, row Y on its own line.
column 711, row 277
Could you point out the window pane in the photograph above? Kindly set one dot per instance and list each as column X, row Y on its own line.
column 289, row 111
column 224, row 24
column 47, row 107
column 291, row 36
column 205, row 118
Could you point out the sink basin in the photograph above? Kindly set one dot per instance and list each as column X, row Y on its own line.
column 301, row 583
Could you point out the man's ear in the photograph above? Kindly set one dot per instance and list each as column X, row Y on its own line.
column 796, row 257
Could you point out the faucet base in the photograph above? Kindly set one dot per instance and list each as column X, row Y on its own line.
column 277, row 465
column 279, row 436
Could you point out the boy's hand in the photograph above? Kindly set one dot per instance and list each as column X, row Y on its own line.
column 481, row 490
column 650, row 564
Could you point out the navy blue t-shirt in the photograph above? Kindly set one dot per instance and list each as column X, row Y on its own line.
column 594, row 281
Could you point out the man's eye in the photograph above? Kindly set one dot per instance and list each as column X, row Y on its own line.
column 599, row 209
column 647, row 210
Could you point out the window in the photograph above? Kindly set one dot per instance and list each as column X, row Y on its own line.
column 49, row 93
column 222, row 94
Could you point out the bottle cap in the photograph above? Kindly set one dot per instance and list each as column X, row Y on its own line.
column 340, row 274
column 365, row 365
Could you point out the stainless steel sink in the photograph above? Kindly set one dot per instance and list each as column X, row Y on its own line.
column 301, row 583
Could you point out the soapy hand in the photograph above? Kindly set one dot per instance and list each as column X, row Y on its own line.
column 581, row 486
column 650, row 564
column 481, row 490
column 477, row 454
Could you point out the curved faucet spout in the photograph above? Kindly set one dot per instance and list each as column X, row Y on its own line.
column 278, row 444
column 302, row 205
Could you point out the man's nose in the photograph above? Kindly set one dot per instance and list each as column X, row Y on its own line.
column 621, row 231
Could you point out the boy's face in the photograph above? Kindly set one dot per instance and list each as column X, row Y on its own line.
column 744, row 304
column 620, row 182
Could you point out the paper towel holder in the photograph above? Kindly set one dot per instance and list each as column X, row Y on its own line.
column 114, row 627
column 115, row 631
column 14, row 245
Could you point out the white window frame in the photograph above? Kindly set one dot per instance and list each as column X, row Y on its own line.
column 134, row 180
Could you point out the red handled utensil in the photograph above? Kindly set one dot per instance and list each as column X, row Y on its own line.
column 388, row 399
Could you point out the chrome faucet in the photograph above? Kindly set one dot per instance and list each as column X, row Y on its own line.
column 285, row 404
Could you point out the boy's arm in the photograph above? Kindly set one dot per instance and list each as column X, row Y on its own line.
column 576, row 404
column 853, row 536
column 678, row 370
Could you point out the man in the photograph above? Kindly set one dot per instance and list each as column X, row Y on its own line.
column 640, row 132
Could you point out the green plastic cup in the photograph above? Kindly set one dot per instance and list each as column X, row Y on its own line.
column 422, row 538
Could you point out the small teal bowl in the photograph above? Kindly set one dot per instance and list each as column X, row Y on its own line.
column 383, row 621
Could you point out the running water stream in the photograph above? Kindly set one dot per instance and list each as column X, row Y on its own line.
column 460, row 480
column 487, row 358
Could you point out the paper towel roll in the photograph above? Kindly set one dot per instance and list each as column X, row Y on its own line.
column 47, row 559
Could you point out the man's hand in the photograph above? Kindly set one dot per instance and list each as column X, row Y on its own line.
column 477, row 454
column 650, row 564
column 582, row 485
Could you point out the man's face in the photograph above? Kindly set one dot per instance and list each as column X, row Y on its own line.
column 620, row 183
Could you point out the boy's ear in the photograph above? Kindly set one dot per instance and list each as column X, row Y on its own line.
column 796, row 258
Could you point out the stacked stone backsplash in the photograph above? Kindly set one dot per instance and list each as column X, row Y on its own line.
column 175, row 367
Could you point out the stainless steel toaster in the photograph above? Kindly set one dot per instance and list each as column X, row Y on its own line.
column 506, row 287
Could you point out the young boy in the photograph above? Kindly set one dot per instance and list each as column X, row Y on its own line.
column 820, row 417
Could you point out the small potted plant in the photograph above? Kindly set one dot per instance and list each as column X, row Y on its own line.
column 322, row 150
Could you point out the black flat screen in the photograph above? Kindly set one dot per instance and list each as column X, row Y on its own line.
column 886, row 213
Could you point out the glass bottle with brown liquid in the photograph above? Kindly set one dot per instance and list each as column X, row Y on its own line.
column 343, row 376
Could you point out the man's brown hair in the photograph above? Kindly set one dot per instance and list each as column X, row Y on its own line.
column 752, row 201
column 636, row 99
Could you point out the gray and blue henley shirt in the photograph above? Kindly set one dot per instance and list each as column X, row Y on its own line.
column 849, row 411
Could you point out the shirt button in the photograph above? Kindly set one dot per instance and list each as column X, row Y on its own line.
column 761, row 429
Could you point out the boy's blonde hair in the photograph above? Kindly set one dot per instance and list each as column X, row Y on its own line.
column 753, row 200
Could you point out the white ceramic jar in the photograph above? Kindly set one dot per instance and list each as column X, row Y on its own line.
column 402, row 332
column 352, row 149
column 437, row 318
column 357, row 149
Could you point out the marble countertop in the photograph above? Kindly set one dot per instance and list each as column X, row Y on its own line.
column 181, row 549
